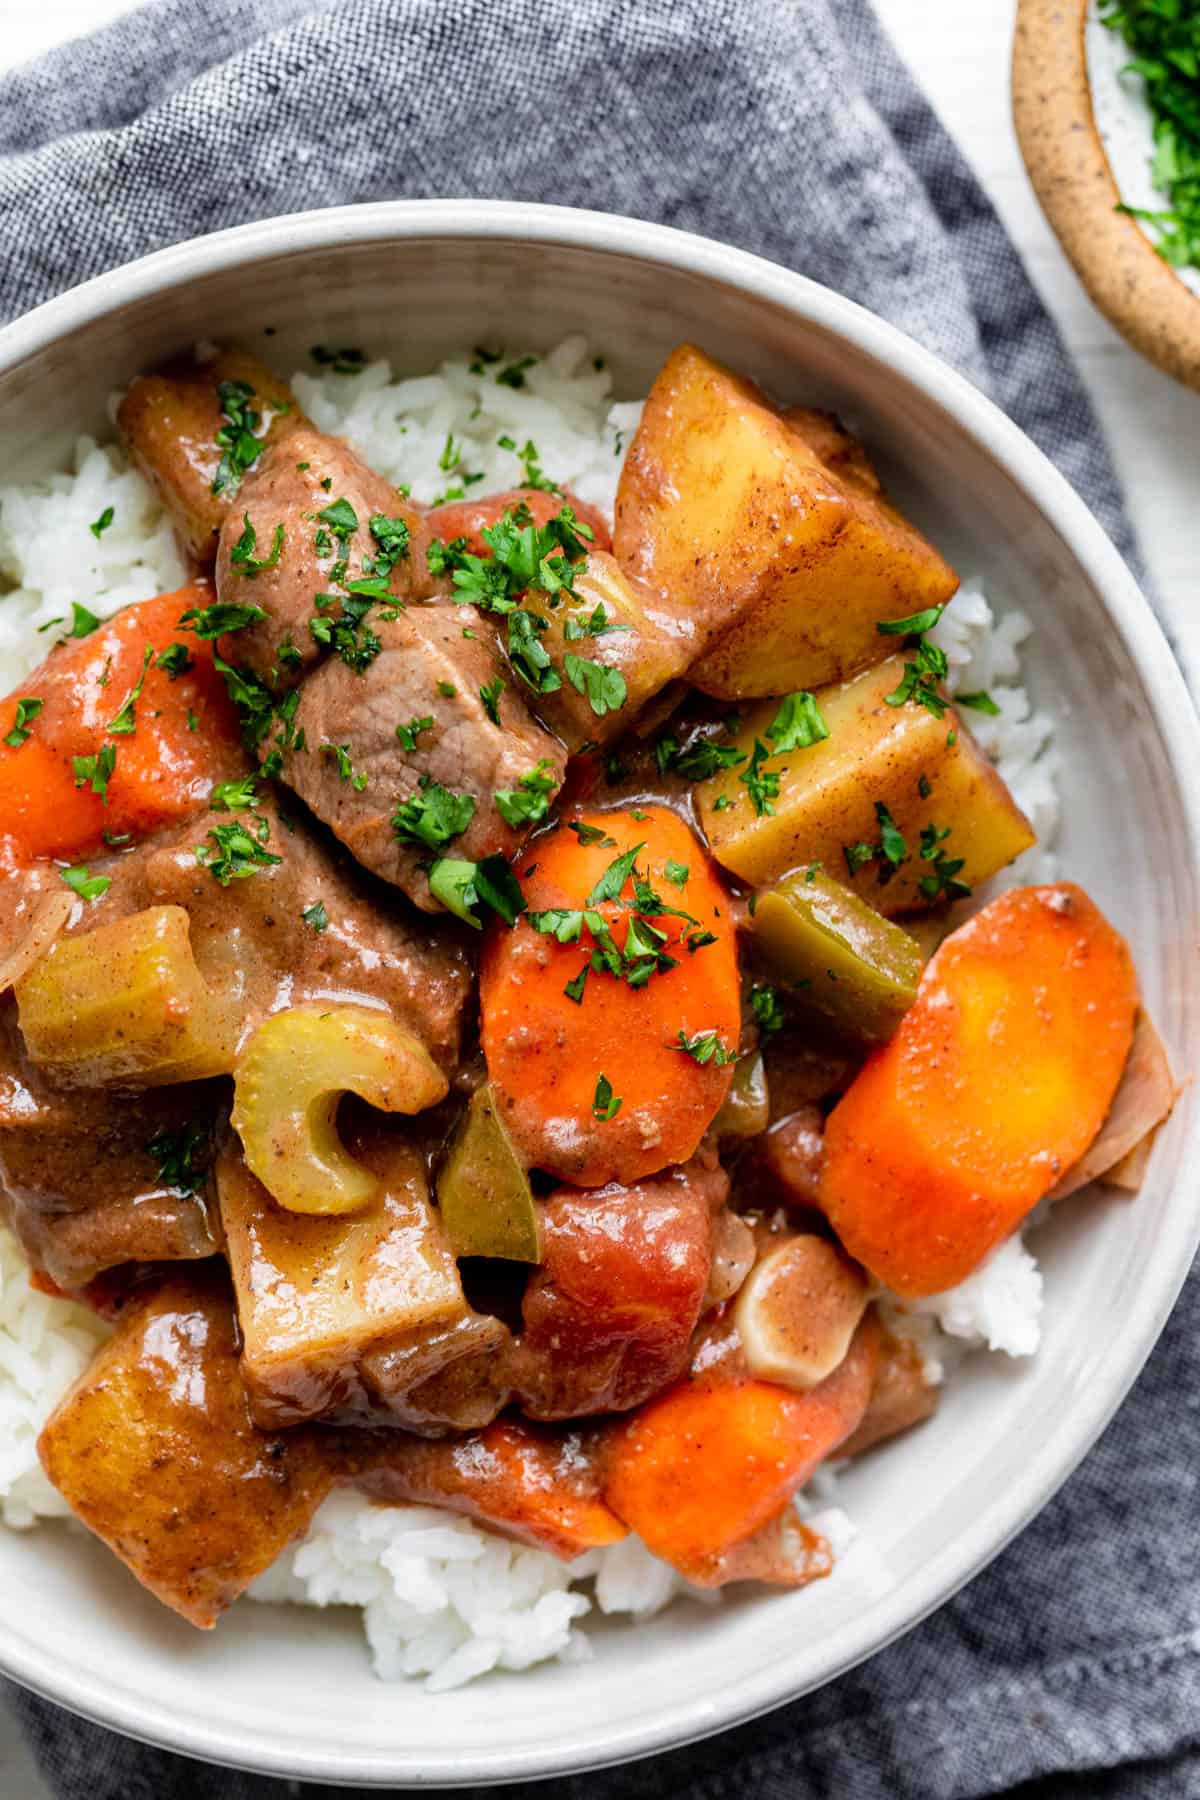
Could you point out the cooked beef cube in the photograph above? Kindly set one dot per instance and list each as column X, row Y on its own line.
column 253, row 934
column 154, row 1450
column 80, row 1182
column 345, row 1318
column 449, row 762
column 170, row 424
column 609, row 1315
column 310, row 519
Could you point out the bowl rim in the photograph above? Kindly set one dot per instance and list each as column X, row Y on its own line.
column 676, row 252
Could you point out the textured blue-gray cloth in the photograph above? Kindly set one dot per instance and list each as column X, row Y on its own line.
column 1069, row 1671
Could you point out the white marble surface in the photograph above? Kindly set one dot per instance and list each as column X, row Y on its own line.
column 960, row 52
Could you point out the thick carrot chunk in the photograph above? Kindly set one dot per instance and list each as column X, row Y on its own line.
column 157, row 748
column 590, row 1069
column 997, row 1080
column 702, row 1468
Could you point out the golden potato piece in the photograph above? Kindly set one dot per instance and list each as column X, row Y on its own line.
column 638, row 639
column 780, row 566
column 317, row 1295
column 169, row 423
column 927, row 772
column 154, row 1450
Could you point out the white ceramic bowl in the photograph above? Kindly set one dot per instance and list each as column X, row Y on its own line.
column 290, row 1692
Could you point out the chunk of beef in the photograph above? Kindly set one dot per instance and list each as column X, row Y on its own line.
column 251, row 936
column 170, row 421
column 155, row 1451
column 540, row 1486
column 309, row 519
column 79, row 1182
column 428, row 679
column 609, row 1315
column 360, row 1316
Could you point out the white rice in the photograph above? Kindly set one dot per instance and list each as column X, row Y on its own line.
column 441, row 1598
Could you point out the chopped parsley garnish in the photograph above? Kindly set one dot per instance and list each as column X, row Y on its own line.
column 237, row 851
column 594, row 624
column 176, row 659
column 433, row 815
column 96, row 770
column 392, row 538
column 767, row 1008
column 1164, row 36
column 409, row 733
column 705, row 1047
column 193, row 723
column 676, row 873
column 797, row 724
column 234, row 796
column 928, row 668
column 513, row 374
column 605, row 688
column 83, row 622
column 592, row 834
column 761, row 784
column 27, row 710
column 345, row 767
column 240, row 448
column 890, row 850
column 178, row 1154
column 618, row 872
column 124, row 720
column 242, row 555
column 340, row 362
column 99, row 526
column 349, row 634
column 316, row 916
column 85, row 884
column 979, row 702
column 447, row 690
column 490, row 694
column 341, row 518
column 702, row 758
column 451, row 454
column 605, row 1104
column 529, row 657
column 524, row 557
column 942, row 882
column 529, row 801
column 461, row 885
column 210, row 622
column 531, row 469
column 481, row 355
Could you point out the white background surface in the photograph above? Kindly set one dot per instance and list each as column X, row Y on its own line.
column 960, row 53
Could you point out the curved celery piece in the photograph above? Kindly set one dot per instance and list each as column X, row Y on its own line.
column 747, row 1110
column 288, row 1082
column 858, row 968
column 483, row 1190
column 126, row 1005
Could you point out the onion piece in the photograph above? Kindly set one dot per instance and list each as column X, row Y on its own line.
column 797, row 1311
column 50, row 913
column 1121, row 1148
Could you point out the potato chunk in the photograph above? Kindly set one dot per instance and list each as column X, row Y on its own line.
column 927, row 772
column 169, row 423
column 319, row 1294
column 154, row 1449
column 780, row 567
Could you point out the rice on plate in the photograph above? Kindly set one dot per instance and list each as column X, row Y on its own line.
column 440, row 1597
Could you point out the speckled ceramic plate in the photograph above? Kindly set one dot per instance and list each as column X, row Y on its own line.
column 1085, row 134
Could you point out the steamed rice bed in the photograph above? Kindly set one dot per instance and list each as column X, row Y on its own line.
column 440, row 1597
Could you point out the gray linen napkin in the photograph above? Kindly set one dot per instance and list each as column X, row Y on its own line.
column 789, row 127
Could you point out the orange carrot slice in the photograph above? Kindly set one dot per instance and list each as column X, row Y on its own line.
column 168, row 740
column 997, row 1080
